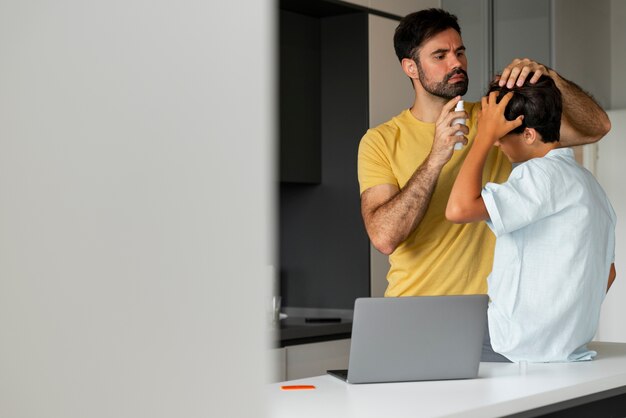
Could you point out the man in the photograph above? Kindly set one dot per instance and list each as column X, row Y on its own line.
column 407, row 166
column 554, row 228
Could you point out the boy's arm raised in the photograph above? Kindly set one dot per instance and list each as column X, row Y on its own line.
column 465, row 203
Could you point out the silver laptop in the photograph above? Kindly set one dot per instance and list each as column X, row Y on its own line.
column 416, row 338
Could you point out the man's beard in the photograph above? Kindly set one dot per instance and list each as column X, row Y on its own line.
column 442, row 88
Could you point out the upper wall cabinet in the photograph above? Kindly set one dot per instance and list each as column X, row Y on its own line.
column 353, row 81
column 323, row 247
column 300, row 98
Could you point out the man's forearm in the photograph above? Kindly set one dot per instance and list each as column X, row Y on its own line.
column 586, row 118
column 393, row 221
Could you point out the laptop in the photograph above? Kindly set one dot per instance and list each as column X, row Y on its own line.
column 416, row 338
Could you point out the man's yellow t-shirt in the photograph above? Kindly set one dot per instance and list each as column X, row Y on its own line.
column 439, row 257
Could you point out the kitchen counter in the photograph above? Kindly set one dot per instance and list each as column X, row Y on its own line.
column 590, row 388
column 309, row 325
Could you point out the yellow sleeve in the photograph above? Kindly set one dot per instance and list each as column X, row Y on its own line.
column 374, row 165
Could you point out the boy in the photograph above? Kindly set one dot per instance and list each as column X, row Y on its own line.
column 553, row 223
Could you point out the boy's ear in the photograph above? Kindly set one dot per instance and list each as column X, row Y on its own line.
column 531, row 136
column 410, row 68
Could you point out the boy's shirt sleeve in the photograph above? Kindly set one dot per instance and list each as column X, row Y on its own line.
column 523, row 199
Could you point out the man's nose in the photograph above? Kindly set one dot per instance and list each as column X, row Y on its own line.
column 455, row 62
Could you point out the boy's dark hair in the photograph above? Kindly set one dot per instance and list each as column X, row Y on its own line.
column 540, row 103
column 416, row 28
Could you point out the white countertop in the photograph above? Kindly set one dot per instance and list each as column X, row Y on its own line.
column 500, row 389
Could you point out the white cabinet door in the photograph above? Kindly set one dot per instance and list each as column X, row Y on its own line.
column 278, row 358
column 308, row 360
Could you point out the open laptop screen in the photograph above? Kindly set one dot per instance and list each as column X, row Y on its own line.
column 416, row 338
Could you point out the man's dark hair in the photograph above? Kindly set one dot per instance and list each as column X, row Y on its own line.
column 540, row 103
column 416, row 28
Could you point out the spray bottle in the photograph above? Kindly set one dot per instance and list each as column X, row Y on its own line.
column 459, row 108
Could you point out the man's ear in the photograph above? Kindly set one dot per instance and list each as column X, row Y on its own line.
column 531, row 136
column 410, row 68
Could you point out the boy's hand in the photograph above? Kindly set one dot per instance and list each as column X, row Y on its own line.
column 492, row 125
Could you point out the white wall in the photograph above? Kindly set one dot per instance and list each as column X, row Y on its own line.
column 390, row 92
column 611, row 151
column 135, row 152
column 618, row 54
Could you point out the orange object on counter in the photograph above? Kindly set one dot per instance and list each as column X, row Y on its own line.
column 297, row 387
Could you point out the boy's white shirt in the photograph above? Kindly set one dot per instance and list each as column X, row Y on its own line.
column 555, row 244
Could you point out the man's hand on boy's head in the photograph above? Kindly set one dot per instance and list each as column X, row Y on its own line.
column 516, row 72
column 492, row 125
